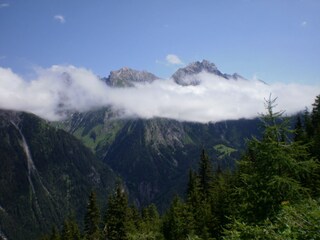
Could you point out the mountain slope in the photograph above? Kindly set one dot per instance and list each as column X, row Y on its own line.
column 45, row 175
column 154, row 156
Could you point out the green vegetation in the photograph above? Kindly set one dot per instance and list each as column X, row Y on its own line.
column 92, row 219
column 223, row 150
column 270, row 195
column 153, row 156
column 33, row 199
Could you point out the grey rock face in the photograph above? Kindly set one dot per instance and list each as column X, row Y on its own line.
column 234, row 76
column 127, row 77
column 189, row 75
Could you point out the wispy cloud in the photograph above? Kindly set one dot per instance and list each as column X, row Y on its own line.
column 3, row 5
column 60, row 18
column 304, row 23
column 60, row 89
column 173, row 59
column 2, row 57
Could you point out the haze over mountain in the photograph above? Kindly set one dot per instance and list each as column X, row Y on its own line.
column 198, row 92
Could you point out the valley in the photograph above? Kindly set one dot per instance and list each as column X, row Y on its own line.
column 49, row 168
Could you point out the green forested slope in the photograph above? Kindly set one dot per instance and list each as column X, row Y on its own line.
column 153, row 156
column 273, row 193
column 45, row 175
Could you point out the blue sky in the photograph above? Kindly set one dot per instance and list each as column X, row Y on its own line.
column 273, row 40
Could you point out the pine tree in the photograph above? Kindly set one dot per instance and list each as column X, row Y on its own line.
column 205, row 175
column 70, row 230
column 315, row 118
column 194, row 203
column 150, row 224
column 134, row 221
column 76, row 235
column 176, row 221
column 294, row 221
column 308, row 123
column 92, row 219
column 273, row 169
column 221, row 203
column 150, row 215
column 54, row 234
column 66, row 233
column 201, row 222
column 316, row 112
column 299, row 133
column 193, row 191
column 117, row 220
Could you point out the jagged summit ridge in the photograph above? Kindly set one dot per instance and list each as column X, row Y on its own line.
column 196, row 67
column 127, row 77
column 188, row 75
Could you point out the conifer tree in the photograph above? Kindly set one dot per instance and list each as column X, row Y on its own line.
column 205, row 175
column 315, row 118
column 193, row 190
column 308, row 123
column 54, row 234
column 117, row 220
column 221, row 203
column 66, row 233
column 194, row 203
column 272, row 170
column 150, row 223
column 134, row 221
column 316, row 112
column 150, row 215
column 92, row 219
column 70, row 230
column 76, row 234
column 299, row 133
column 176, row 221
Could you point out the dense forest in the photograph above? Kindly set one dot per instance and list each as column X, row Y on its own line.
column 273, row 193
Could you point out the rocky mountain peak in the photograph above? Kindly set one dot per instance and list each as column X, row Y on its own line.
column 205, row 65
column 187, row 75
column 127, row 77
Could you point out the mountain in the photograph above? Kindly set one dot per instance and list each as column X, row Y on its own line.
column 153, row 156
column 45, row 175
column 127, row 77
column 189, row 75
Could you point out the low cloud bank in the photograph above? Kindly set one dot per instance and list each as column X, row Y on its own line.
column 61, row 89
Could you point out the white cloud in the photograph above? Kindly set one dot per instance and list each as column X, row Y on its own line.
column 216, row 99
column 304, row 23
column 59, row 89
column 3, row 5
column 54, row 91
column 59, row 18
column 173, row 59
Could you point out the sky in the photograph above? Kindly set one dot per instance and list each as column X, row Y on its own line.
column 51, row 52
column 273, row 40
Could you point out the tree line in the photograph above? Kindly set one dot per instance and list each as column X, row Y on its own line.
column 272, row 194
